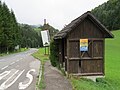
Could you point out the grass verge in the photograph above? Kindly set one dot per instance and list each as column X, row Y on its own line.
column 21, row 50
column 87, row 84
column 43, row 58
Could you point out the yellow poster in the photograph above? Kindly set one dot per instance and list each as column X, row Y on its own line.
column 83, row 44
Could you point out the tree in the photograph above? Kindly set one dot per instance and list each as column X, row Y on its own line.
column 8, row 29
column 52, row 30
column 30, row 37
column 108, row 13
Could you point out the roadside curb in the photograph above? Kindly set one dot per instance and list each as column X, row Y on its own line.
column 40, row 74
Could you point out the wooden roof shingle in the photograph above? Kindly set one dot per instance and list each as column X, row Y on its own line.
column 64, row 32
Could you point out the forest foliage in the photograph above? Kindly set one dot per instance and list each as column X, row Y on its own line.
column 9, row 33
column 109, row 14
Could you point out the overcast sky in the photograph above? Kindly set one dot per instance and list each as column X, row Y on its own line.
column 57, row 12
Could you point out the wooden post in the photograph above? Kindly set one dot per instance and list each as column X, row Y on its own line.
column 48, row 50
column 68, row 56
column 45, row 50
column 103, row 67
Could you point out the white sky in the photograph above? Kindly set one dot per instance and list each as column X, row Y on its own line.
column 57, row 12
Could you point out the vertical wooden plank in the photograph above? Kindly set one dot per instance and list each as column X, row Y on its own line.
column 103, row 68
column 74, row 49
column 92, row 48
column 65, row 53
column 92, row 66
column 65, row 64
column 74, row 65
column 62, row 52
column 68, row 55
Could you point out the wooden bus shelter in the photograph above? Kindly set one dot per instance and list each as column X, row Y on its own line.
column 82, row 46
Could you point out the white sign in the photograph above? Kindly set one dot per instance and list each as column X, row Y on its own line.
column 45, row 38
column 17, row 47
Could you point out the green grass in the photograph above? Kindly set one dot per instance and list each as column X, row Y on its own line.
column 43, row 58
column 40, row 55
column 37, row 29
column 21, row 50
column 112, row 66
column 86, row 84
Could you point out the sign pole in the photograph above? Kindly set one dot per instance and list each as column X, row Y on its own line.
column 48, row 50
column 45, row 50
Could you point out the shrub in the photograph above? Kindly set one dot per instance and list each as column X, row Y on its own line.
column 54, row 52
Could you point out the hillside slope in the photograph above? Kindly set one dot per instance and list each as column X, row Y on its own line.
column 108, row 13
column 113, row 60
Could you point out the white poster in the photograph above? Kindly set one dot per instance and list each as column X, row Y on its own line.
column 45, row 37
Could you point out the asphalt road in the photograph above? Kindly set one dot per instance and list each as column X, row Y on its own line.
column 19, row 71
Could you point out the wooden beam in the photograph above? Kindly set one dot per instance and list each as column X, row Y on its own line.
column 86, row 58
column 89, row 74
column 68, row 56
column 77, row 39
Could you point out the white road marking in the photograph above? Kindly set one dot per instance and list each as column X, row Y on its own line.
column 3, row 86
column 17, row 66
column 17, row 61
column 4, row 67
column 12, row 63
column 28, row 75
column 4, row 74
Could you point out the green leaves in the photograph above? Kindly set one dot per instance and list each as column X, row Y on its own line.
column 109, row 14
column 54, row 52
column 8, row 29
column 30, row 37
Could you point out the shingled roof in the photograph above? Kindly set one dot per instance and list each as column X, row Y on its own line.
column 64, row 32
